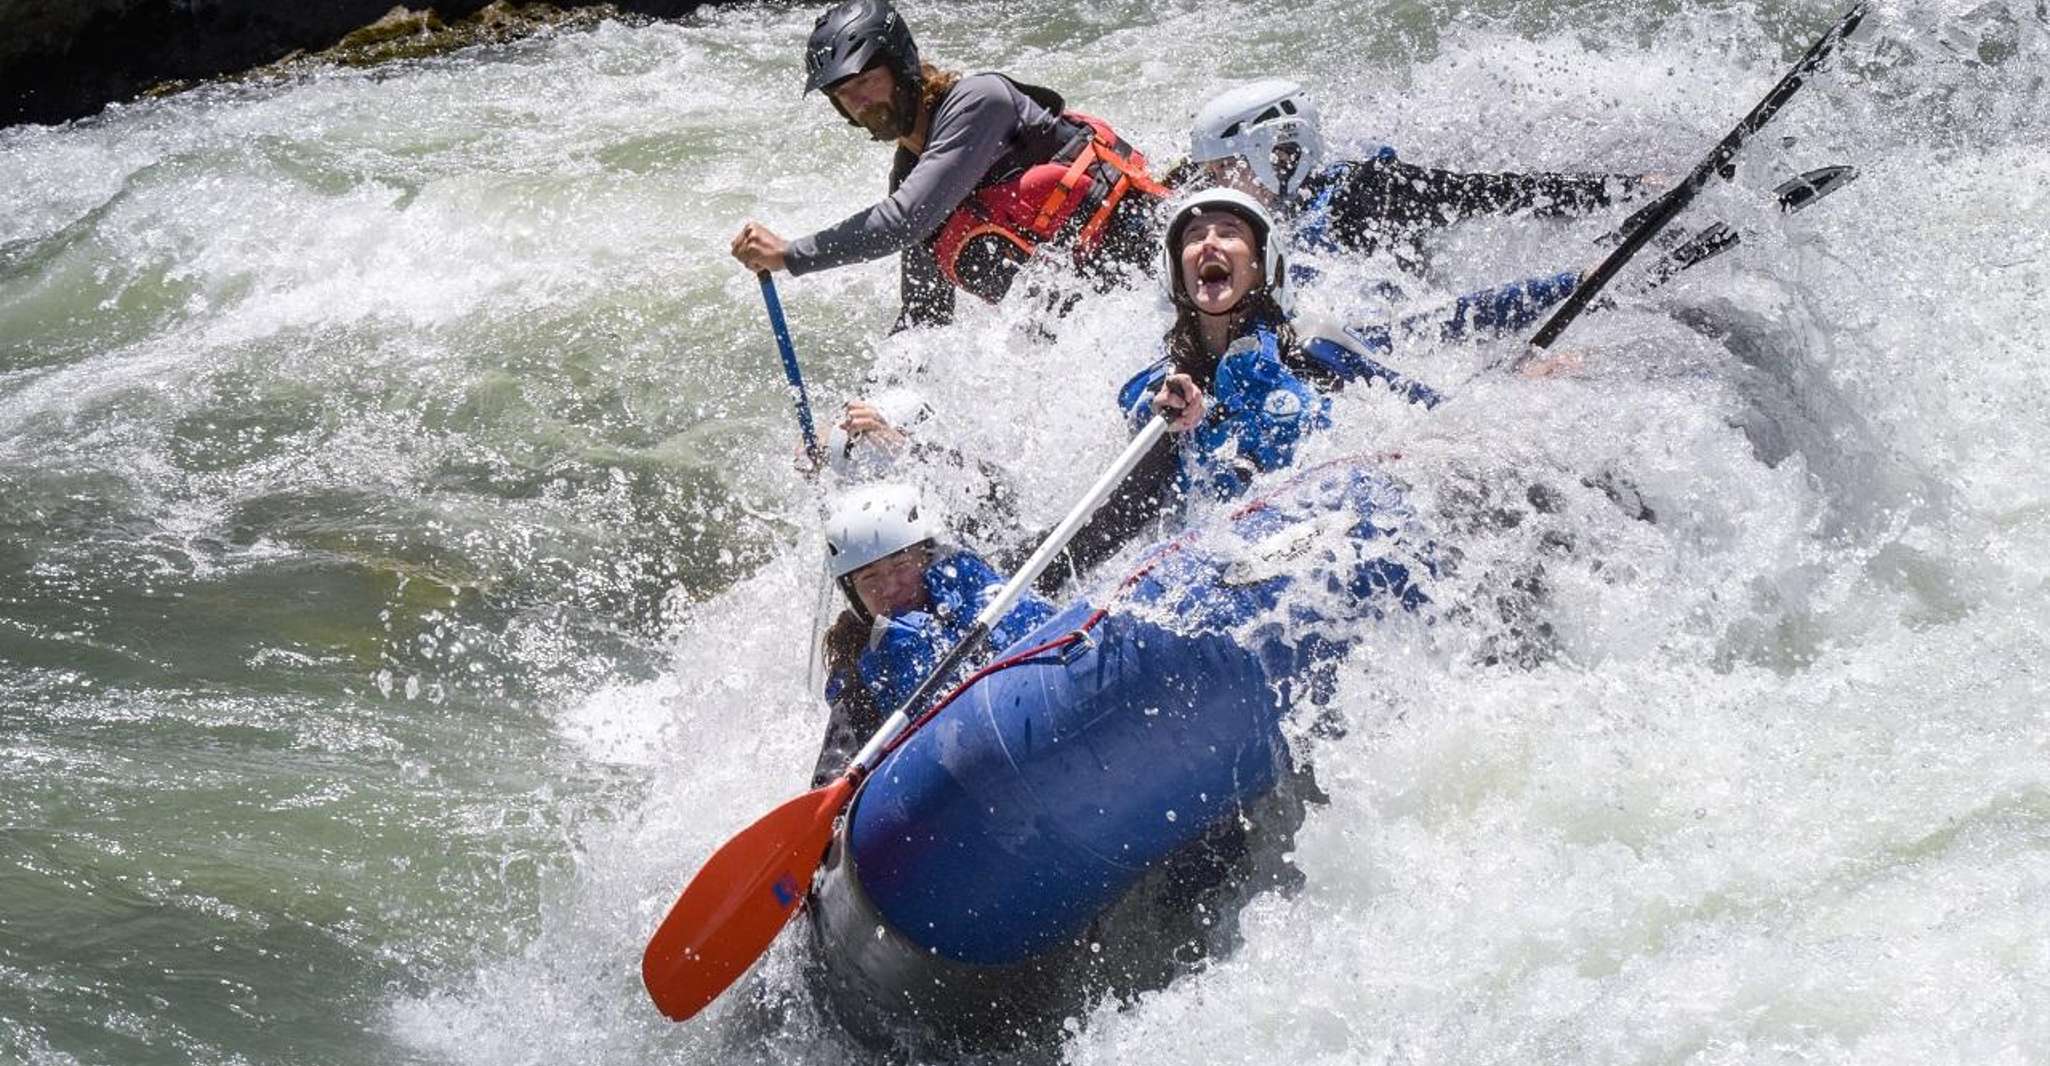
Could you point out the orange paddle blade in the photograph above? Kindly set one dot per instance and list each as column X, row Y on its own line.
column 732, row 910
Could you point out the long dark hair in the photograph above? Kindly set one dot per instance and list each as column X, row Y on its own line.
column 1184, row 339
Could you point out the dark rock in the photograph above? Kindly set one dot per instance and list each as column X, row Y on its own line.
column 65, row 60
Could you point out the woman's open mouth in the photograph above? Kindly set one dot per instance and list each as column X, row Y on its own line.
column 1213, row 280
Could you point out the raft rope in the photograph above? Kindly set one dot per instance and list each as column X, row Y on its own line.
column 1081, row 633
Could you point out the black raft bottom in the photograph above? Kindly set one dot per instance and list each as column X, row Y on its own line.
column 892, row 995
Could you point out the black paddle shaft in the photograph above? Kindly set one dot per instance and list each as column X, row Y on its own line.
column 1653, row 218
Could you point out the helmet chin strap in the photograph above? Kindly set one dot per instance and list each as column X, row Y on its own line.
column 861, row 611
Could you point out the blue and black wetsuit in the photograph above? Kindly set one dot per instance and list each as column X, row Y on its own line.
column 1261, row 404
column 1268, row 392
column 868, row 682
column 1359, row 206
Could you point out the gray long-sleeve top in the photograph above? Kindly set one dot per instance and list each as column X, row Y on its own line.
column 987, row 127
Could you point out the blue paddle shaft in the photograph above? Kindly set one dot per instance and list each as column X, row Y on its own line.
column 790, row 371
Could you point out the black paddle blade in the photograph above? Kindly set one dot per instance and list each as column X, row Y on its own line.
column 1793, row 195
column 1713, row 240
column 1799, row 192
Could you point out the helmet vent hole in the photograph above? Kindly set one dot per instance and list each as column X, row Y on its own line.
column 1288, row 107
column 1268, row 115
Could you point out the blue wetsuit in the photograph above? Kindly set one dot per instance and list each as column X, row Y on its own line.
column 1264, row 401
column 1260, row 408
column 904, row 648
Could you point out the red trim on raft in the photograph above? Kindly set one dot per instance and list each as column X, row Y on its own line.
column 1067, row 639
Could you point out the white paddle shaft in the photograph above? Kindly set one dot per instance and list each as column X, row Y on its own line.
column 1014, row 588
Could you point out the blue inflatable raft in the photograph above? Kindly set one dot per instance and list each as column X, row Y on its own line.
column 1013, row 858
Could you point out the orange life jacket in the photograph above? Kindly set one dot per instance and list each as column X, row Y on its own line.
column 1066, row 200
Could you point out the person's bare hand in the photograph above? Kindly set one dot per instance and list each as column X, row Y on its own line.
column 1180, row 402
column 1544, row 363
column 758, row 248
column 805, row 460
column 863, row 421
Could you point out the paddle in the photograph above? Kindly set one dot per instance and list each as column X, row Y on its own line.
column 1794, row 194
column 791, row 834
column 1653, row 217
column 812, row 451
column 741, row 898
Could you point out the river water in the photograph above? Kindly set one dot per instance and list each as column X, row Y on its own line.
column 404, row 582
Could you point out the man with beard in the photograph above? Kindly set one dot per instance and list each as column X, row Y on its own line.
column 987, row 170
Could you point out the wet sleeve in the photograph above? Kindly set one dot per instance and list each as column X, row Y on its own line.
column 1135, row 399
column 970, row 131
column 979, row 583
column 1421, row 197
column 1498, row 310
column 1333, row 365
column 852, row 721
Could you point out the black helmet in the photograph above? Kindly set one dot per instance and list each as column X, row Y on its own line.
column 853, row 36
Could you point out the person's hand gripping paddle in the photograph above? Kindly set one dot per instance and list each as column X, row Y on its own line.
column 741, row 898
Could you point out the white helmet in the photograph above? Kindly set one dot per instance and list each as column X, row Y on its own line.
column 1250, row 122
column 1185, row 210
column 872, row 521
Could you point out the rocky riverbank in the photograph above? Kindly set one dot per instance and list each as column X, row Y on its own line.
column 65, row 61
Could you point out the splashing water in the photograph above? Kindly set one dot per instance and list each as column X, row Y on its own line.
column 405, row 583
